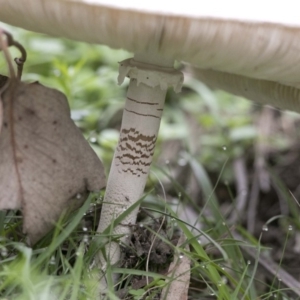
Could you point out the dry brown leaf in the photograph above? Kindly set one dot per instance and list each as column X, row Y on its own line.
column 179, row 274
column 46, row 165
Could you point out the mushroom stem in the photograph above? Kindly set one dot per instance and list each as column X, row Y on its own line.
column 132, row 159
column 133, row 156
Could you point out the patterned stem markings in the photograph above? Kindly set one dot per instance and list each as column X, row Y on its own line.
column 135, row 152
column 135, row 149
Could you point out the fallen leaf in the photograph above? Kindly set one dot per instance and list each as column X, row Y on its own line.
column 46, row 165
column 179, row 274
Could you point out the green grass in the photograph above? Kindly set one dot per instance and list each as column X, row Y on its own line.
column 212, row 129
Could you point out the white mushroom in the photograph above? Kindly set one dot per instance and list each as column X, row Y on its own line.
column 255, row 44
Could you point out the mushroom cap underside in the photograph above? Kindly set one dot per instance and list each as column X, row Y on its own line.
column 263, row 44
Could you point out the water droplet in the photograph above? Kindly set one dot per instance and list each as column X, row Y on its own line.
column 199, row 241
column 224, row 280
column 279, row 279
column 93, row 139
column 181, row 255
column 182, row 162
column 52, row 260
column 56, row 72
column 223, row 223
column 265, row 228
column 212, row 293
column 124, row 208
column 203, row 266
column 78, row 196
column 141, row 225
column 167, row 162
column 84, row 229
column 290, row 227
column 179, row 195
column 99, row 200
column 85, row 238
column 244, row 192
column 174, row 222
column 248, row 262
column 224, row 147
column 4, row 252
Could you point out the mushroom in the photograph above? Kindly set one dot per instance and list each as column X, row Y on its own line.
column 235, row 45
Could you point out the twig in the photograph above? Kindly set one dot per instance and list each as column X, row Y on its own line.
column 4, row 44
column 241, row 179
column 253, row 202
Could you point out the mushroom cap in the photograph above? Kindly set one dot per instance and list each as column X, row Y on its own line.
column 258, row 40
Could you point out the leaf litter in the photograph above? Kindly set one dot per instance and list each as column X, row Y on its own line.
column 46, row 165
